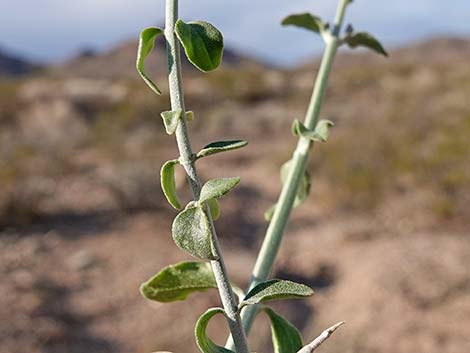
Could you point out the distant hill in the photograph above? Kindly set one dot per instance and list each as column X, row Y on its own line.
column 119, row 62
column 12, row 65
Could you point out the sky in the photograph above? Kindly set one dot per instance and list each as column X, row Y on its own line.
column 53, row 30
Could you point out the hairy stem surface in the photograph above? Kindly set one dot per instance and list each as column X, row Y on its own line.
column 187, row 160
column 274, row 233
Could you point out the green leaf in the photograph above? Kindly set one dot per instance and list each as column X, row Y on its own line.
column 216, row 188
column 205, row 344
column 307, row 21
column 167, row 180
column 304, row 186
column 221, row 146
column 286, row 338
column 268, row 214
column 323, row 129
column 214, row 208
column 191, row 233
column 171, row 120
column 364, row 39
column 202, row 43
column 275, row 289
column 146, row 44
column 189, row 115
column 176, row 282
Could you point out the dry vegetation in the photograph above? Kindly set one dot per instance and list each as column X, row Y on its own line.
column 386, row 226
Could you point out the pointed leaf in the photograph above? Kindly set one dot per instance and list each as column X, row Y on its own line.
column 299, row 129
column 364, row 39
column 205, row 344
column 286, row 338
column 275, row 289
column 171, row 119
column 307, row 21
column 202, row 43
column 176, row 282
column 216, row 188
column 322, row 129
column 146, row 44
column 192, row 233
column 221, row 146
column 168, row 184
column 214, row 208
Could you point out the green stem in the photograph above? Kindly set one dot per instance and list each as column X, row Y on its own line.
column 274, row 233
column 187, row 159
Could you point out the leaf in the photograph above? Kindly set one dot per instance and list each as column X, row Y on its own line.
column 176, row 282
column 221, row 146
column 205, row 344
column 214, row 208
column 268, row 214
column 171, row 120
column 189, row 115
column 304, row 186
column 307, row 21
column 285, row 336
column 146, row 44
column 167, row 180
column 323, row 128
column 202, row 43
column 191, row 233
column 216, row 188
column 275, row 289
column 364, row 39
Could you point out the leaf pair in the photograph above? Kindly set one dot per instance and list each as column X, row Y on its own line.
column 167, row 172
column 202, row 43
column 171, row 119
column 302, row 191
column 286, row 338
column 191, row 228
column 319, row 134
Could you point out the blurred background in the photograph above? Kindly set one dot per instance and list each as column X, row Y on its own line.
column 383, row 239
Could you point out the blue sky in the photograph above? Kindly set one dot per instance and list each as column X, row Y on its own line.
column 52, row 30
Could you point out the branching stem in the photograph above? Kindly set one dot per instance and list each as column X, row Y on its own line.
column 274, row 233
column 184, row 146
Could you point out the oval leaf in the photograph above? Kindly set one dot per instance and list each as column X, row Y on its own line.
column 305, row 20
column 146, row 44
column 202, row 43
column 286, row 338
column 214, row 208
column 167, row 180
column 221, row 146
column 216, row 188
column 171, row 120
column 192, row 233
column 275, row 289
column 176, row 282
column 364, row 39
column 205, row 344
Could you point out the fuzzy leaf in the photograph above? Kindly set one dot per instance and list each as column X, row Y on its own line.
column 285, row 336
column 167, row 180
column 216, row 188
column 364, row 39
column 176, row 282
column 205, row 344
column 275, row 289
column 220, row 146
column 323, row 128
column 146, row 44
column 305, row 20
column 191, row 233
column 214, row 208
column 171, row 119
column 202, row 43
